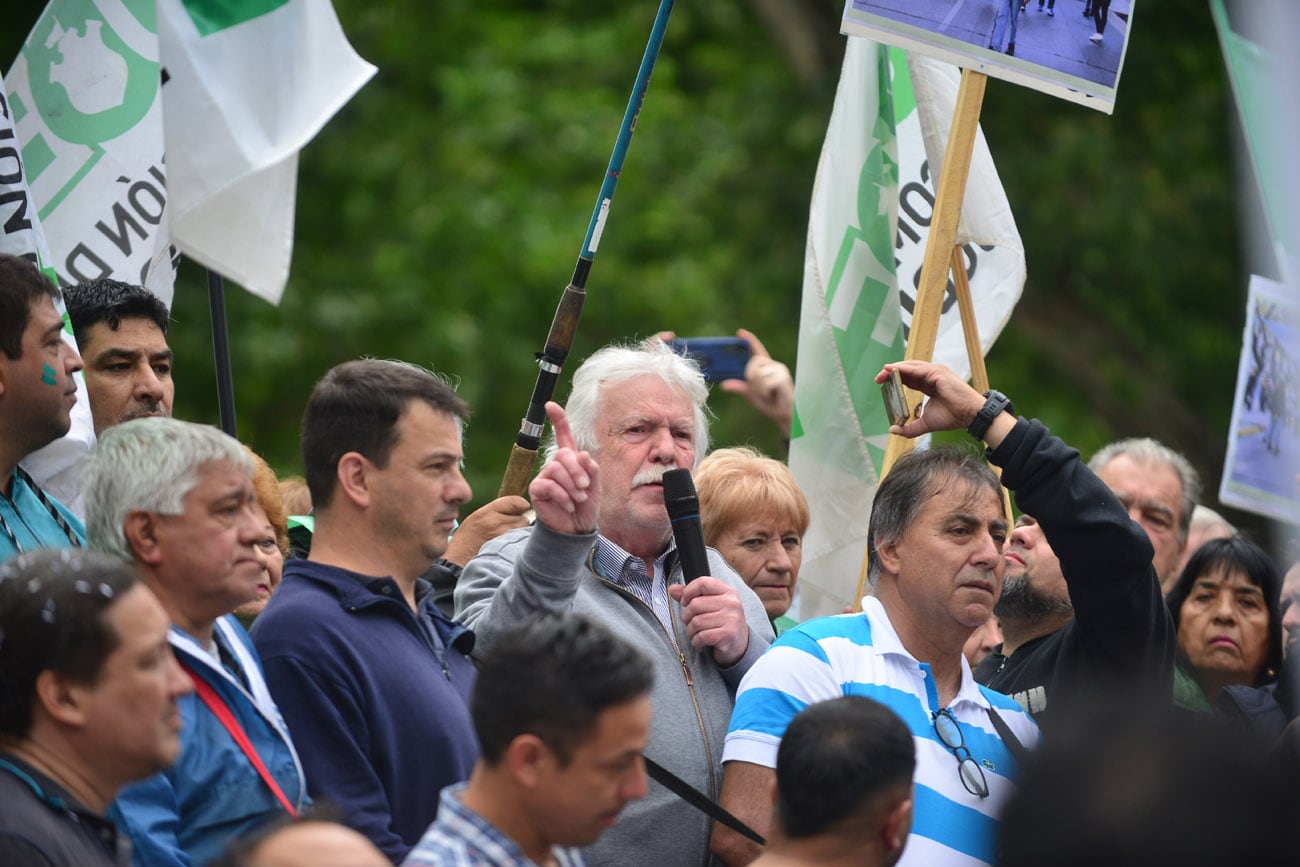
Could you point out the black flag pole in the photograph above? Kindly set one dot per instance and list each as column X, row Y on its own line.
column 221, row 352
column 567, row 315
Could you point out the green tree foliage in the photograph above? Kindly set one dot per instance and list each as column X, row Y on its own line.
column 440, row 215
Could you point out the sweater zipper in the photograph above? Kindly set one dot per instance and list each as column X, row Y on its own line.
column 686, row 672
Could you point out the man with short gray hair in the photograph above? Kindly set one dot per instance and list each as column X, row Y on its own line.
column 176, row 499
column 1159, row 487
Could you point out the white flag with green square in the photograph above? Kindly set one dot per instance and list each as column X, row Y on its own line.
column 871, row 206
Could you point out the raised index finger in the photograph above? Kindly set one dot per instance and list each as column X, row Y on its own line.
column 560, row 424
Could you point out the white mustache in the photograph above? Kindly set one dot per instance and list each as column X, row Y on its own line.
column 651, row 476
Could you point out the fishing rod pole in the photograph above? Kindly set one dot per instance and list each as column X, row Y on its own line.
column 569, row 312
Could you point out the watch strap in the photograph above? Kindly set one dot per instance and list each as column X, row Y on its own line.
column 995, row 403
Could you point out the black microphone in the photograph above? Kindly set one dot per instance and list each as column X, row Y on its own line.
column 684, row 512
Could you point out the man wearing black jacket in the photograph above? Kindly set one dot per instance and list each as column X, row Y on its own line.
column 1081, row 608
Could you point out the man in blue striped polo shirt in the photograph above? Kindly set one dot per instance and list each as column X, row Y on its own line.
column 936, row 566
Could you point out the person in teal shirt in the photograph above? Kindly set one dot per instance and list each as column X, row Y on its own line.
column 37, row 393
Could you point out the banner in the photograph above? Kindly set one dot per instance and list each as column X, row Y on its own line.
column 86, row 103
column 872, row 203
column 233, row 89
column 59, row 464
column 1261, row 472
column 248, row 85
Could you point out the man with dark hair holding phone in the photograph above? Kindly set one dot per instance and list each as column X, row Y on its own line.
column 1081, row 608
column 935, row 562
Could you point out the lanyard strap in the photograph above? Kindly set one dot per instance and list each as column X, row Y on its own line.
column 1018, row 750
column 43, row 498
column 209, row 697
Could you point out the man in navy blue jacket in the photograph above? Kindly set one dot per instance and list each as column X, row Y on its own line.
column 372, row 679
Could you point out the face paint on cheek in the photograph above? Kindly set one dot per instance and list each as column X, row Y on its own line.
column 48, row 376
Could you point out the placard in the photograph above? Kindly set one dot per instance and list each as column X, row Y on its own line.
column 1047, row 45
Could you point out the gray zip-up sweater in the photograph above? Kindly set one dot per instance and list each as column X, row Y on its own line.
column 537, row 570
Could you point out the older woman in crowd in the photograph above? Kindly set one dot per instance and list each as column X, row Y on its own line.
column 1225, row 606
column 273, row 544
column 754, row 514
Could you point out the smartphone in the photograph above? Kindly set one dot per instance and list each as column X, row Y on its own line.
column 891, row 391
column 719, row 357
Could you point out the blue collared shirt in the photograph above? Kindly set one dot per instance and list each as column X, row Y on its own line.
column 628, row 571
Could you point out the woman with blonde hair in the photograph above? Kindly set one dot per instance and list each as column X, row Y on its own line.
column 273, row 544
column 754, row 514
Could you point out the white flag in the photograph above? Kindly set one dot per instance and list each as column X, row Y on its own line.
column 246, row 85
column 872, row 202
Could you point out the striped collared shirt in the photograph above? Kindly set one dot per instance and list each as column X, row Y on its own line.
column 459, row 837
column 628, row 571
column 861, row 654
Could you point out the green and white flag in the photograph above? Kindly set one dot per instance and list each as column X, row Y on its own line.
column 85, row 98
column 59, row 465
column 233, row 89
column 1259, row 78
column 872, row 202
column 249, row 84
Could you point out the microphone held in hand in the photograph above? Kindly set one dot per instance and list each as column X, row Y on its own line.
column 684, row 512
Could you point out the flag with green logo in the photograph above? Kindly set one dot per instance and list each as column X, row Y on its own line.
column 872, row 202
column 151, row 126
column 58, row 465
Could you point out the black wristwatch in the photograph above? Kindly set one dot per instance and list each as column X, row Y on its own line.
column 453, row 568
column 995, row 403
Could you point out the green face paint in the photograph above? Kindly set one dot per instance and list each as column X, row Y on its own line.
column 48, row 376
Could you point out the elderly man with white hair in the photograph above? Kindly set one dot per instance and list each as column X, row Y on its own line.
column 634, row 413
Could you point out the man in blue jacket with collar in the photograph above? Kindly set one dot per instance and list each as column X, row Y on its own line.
column 373, row 680
column 176, row 500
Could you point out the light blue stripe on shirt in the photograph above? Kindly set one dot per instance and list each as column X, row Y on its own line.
column 862, row 655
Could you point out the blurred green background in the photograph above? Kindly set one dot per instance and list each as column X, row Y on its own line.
column 441, row 212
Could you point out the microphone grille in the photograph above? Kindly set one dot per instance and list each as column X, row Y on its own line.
column 679, row 493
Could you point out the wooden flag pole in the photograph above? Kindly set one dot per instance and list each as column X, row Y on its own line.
column 939, row 246
column 948, row 198
column 974, row 351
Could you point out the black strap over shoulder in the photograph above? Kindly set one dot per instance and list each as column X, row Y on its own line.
column 1009, row 738
column 687, row 793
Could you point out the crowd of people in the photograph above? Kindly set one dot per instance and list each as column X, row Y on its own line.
column 202, row 664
